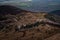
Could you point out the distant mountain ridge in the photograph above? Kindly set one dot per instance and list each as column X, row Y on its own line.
column 9, row 9
column 55, row 12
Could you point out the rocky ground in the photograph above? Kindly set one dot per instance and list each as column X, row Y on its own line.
column 9, row 28
column 28, row 26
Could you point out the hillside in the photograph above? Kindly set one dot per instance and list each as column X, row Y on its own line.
column 53, row 17
column 56, row 12
column 27, row 25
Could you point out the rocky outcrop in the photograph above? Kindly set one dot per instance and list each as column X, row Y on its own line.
column 26, row 26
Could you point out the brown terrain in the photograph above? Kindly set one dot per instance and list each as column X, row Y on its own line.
column 26, row 25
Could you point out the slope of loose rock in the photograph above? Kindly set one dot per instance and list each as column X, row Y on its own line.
column 10, row 27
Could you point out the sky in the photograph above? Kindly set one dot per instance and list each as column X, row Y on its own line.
column 15, row 0
column 35, row 5
column 42, row 1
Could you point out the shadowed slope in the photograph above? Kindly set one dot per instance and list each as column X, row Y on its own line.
column 9, row 9
column 57, row 12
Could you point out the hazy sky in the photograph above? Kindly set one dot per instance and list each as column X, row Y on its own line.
column 32, row 0
column 15, row 0
column 40, row 5
column 36, row 1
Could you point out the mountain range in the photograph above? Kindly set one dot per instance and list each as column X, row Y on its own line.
column 18, row 24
